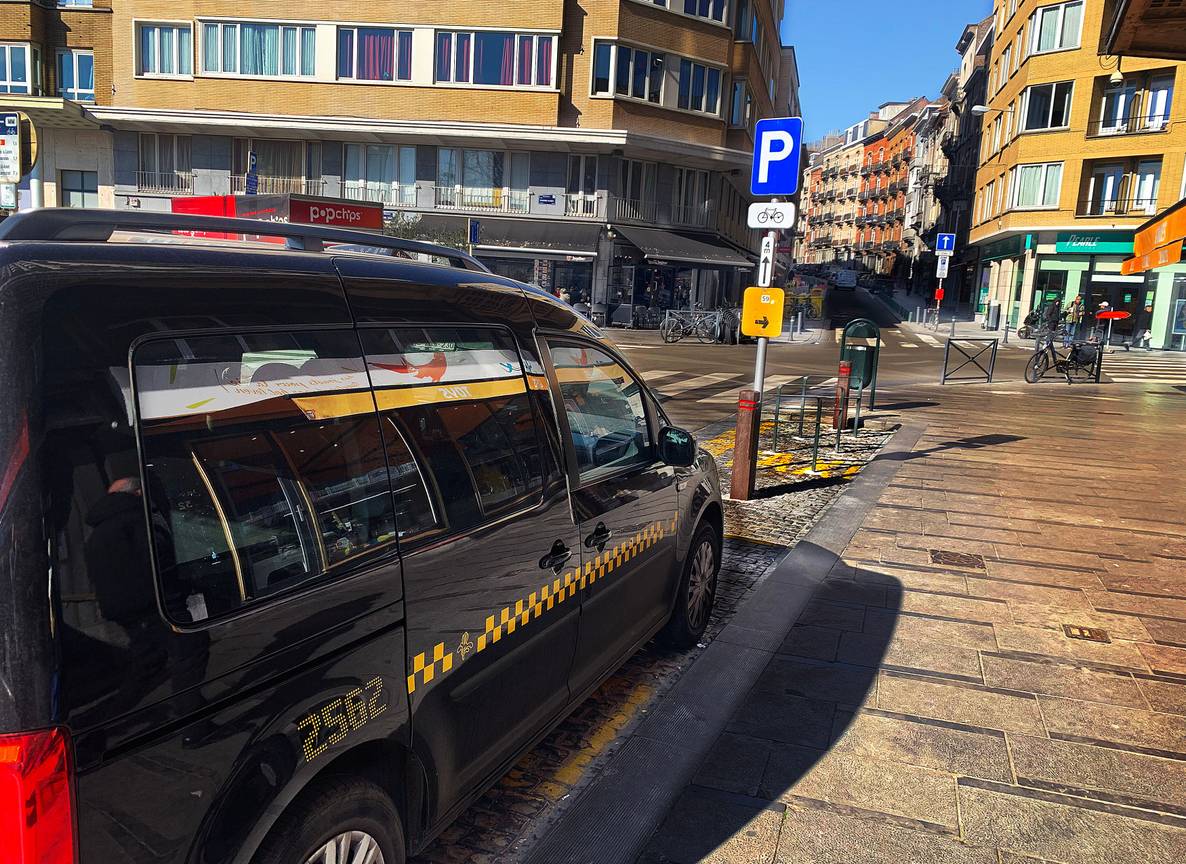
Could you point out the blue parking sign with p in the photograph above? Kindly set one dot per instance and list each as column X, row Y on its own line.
column 945, row 243
column 778, row 143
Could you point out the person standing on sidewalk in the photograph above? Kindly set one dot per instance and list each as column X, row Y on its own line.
column 1141, row 332
column 1074, row 321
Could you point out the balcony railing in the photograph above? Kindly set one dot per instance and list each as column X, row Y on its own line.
column 481, row 200
column 580, row 204
column 168, row 182
column 1118, row 207
column 693, row 216
column 394, row 195
column 1135, row 125
column 278, row 185
column 631, row 210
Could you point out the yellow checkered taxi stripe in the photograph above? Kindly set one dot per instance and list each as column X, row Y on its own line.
column 427, row 666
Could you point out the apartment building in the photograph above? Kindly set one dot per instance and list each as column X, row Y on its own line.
column 943, row 174
column 604, row 144
column 836, row 205
column 1077, row 150
column 883, row 241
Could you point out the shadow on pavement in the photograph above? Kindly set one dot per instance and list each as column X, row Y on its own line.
column 800, row 486
column 804, row 734
column 974, row 443
column 905, row 406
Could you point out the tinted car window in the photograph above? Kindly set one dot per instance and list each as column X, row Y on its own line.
column 456, row 413
column 264, row 461
column 605, row 408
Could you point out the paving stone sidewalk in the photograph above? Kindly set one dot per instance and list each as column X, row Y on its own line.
column 995, row 670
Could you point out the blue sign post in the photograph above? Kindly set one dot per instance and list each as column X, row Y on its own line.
column 251, row 181
column 945, row 243
column 778, row 146
column 475, row 232
column 778, row 149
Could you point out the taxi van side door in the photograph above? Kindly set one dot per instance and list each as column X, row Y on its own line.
column 626, row 501
column 488, row 544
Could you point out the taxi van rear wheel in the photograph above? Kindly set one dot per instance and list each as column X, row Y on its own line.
column 346, row 820
column 697, row 590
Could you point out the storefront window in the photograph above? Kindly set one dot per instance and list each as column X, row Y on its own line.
column 1176, row 325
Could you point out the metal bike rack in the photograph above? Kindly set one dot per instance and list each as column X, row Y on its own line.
column 970, row 357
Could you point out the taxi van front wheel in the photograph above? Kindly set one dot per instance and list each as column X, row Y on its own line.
column 697, row 590
column 346, row 820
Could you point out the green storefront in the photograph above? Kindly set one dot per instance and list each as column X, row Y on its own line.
column 1088, row 263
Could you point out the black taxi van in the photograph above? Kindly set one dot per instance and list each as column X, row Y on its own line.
column 302, row 546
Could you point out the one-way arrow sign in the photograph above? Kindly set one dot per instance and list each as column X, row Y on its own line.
column 766, row 261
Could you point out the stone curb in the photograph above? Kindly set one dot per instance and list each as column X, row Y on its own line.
column 615, row 816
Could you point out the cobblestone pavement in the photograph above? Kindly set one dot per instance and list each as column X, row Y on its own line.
column 994, row 672
column 502, row 824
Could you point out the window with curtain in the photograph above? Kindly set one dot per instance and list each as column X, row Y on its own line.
column 374, row 54
column 164, row 49
column 378, row 172
column 279, row 159
column 76, row 75
column 1056, row 28
column 1035, row 185
column 494, row 58
column 259, row 49
column 1158, row 98
column 164, row 154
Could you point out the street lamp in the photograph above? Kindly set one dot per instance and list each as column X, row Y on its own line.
column 981, row 110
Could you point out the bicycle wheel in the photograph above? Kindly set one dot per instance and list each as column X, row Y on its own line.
column 672, row 330
column 1036, row 367
column 707, row 332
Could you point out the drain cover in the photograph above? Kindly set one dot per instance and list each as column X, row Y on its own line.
column 1091, row 634
column 956, row 559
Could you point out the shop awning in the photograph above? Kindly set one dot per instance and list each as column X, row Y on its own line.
column 519, row 238
column 659, row 245
column 1158, row 242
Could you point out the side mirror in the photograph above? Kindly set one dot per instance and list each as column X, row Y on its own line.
column 677, row 447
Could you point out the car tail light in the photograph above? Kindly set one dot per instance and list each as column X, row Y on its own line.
column 36, row 813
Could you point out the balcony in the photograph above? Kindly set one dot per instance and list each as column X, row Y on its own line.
column 1098, row 127
column 866, row 170
column 278, row 185
column 583, row 205
column 165, row 182
column 393, row 195
column 694, row 216
column 631, row 210
column 1117, row 207
column 481, row 200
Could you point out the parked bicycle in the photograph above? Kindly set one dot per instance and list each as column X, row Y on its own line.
column 1080, row 362
column 702, row 326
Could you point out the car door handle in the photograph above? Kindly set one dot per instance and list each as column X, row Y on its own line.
column 555, row 559
column 599, row 537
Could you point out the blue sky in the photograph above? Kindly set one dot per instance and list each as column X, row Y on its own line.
column 855, row 54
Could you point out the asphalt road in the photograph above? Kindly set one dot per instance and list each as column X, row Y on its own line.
column 699, row 383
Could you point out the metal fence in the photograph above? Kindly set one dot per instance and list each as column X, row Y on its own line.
column 968, row 354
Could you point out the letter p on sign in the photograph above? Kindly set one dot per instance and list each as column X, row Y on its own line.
column 777, row 149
